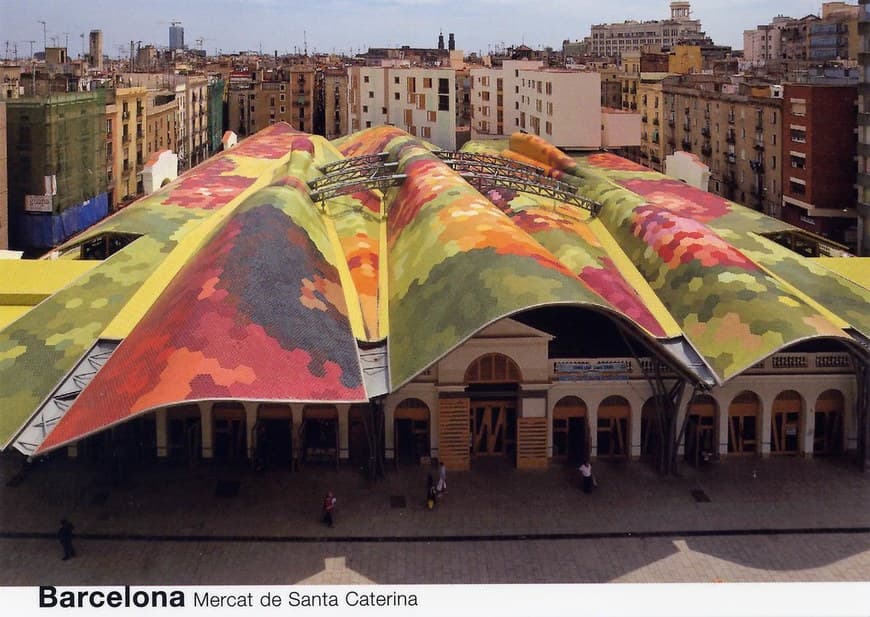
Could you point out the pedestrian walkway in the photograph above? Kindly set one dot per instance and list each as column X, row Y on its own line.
column 775, row 518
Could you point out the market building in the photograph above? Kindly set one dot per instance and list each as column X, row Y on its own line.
column 299, row 302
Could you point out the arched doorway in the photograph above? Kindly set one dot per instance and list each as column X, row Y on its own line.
column 613, row 427
column 273, row 436
column 570, row 433
column 743, row 417
column 411, row 431
column 699, row 441
column 229, row 432
column 828, row 423
column 493, row 382
column 785, row 423
column 319, row 434
column 184, row 433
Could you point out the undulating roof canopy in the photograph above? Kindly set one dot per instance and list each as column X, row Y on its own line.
column 286, row 268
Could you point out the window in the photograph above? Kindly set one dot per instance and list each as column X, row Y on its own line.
column 396, row 80
column 798, row 135
column 397, row 96
column 427, row 83
column 365, row 109
column 425, row 132
column 431, row 116
column 798, row 161
column 368, row 124
column 371, row 94
column 365, row 79
column 797, row 187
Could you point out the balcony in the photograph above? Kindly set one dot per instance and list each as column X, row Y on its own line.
column 731, row 138
column 759, row 144
column 730, row 179
column 687, row 145
column 655, row 121
column 643, row 118
column 125, row 138
column 705, row 131
column 125, row 115
column 671, row 122
column 731, row 118
column 731, row 157
column 706, row 150
column 757, row 166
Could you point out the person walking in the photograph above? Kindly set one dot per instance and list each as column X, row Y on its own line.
column 442, row 478
column 65, row 536
column 588, row 478
column 329, row 509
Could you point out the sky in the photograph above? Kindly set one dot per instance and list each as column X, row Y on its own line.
column 343, row 26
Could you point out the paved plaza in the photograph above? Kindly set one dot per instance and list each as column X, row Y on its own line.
column 738, row 520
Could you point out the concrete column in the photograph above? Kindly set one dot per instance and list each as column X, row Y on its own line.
column 343, row 432
column 207, row 428
column 250, row 421
column 764, row 427
column 722, row 430
column 808, row 427
column 592, row 414
column 162, row 430
column 634, row 422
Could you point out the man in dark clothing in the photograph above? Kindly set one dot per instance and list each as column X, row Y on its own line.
column 65, row 535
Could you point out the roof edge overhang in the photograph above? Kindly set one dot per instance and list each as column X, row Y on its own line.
column 42, row 451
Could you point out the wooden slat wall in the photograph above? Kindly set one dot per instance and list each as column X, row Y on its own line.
column 453, row 433
column 531, row 443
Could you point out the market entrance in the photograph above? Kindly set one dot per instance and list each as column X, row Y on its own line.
column 700, row 439
column 570, row 433
column 828, row 427
column 493, row 383
column 786, row 423
column 273, row 445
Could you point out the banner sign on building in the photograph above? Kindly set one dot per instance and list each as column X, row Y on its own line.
column 37, row 203
column 583, row 370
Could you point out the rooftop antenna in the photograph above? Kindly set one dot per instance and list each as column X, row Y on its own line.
column 44, row 38
column 305, row 41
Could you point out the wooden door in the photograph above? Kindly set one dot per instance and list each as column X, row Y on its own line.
column 493, row 428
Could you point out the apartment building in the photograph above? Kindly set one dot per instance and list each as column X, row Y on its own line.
column 126, row 125
column 736, row 132
column 563, row 106
column 819, row 148
column 617, row 38
column 160, row 122
column 196, row 95
column 335, row 105
column 419, row 100
column 653, row 148
column 863, row 186
column 285, row 94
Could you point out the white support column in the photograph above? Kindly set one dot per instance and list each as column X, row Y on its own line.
column 722, row 430
column 764, row 426
column 808, row 428
column 343, row 432
column 592, row 413
column 162, row 432
column 207, row 429
column 250, row 421
column 634, row 431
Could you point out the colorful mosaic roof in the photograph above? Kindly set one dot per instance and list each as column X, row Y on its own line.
column 238, row 286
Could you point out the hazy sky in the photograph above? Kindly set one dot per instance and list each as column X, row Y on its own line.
column 344, row 25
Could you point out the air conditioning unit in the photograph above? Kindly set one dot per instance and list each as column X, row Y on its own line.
column 776, row 92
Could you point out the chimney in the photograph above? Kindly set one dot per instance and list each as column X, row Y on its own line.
column 441, row 41
column 451, row 43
